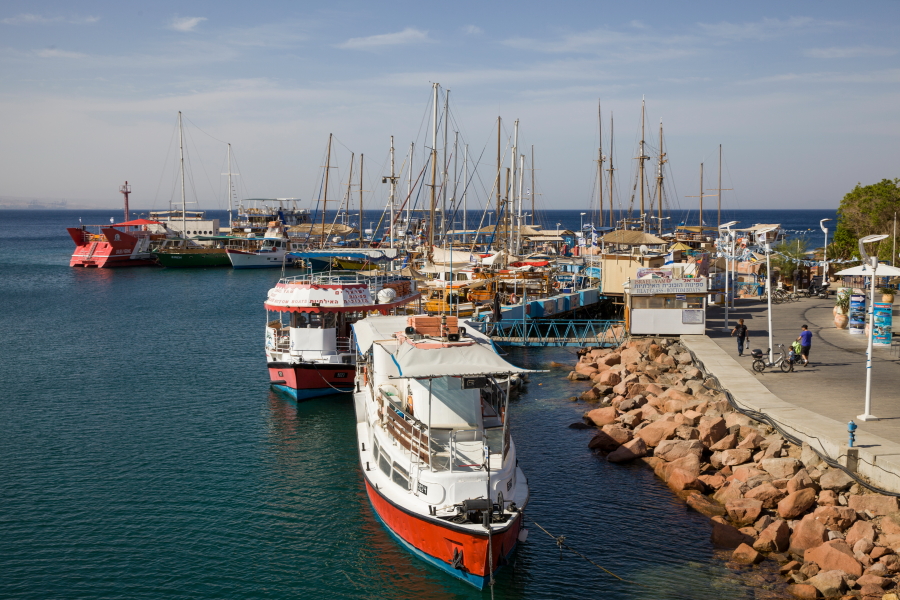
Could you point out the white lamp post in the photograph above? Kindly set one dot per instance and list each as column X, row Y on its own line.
column 582, row 221
column 824, row 252
column 873, row 261
column 761, row 239
column 727, row 228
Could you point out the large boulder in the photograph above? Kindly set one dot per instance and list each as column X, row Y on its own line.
column 630, row 356
column 674, row 394
column 808, row 533
column 726, row 493
column 803, row 591
column 729, row 458
column 774, row 538
column 835, row 555
column 859, row 531
column 830, row 584
column 681, row 480
column 726, row 443
column 617, row 432
column 794, row 505
column 766, row 493
column 808, row 457
column 705, row 506
column 712, row 429
column 610, row 359
column 602, row 416
column 656, row 432
column 604, row 442
column 781, row 468
column 636, row 448
column 610, row 378
column 744, row 511
column 725, row 536
column 800, row 480
column 670, row 450
column 875, row 503
column 745, row 555
column 835, row 479
column 689, row 463
column 838, row 518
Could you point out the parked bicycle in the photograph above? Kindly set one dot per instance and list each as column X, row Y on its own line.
column 760, row 361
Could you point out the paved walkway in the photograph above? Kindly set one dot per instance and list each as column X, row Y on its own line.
column 815, row 401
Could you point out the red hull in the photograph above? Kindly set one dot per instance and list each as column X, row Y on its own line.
column 440, row 540
column 113, row 249
column 308, row 378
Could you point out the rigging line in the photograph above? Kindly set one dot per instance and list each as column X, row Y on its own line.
column 165, row 162
column 203, row 132
column 203, row 168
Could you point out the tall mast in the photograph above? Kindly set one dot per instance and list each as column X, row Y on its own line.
column 499, row 168
column 349, row 184
column 642, row 158
column 181, row 160
column 444, row 165
column 701, row 199
column 532, row 184
column 325, row 197
column 412, row 152
column 361, row 217
column 659, row 180
column 600, row 160
column 393, row 190
column 433, row 171
column 719, row 189
column 611, row 169
column 465, row 190
column 229, row 186
column 519, row 224
column 511, row 192
column 453, row 199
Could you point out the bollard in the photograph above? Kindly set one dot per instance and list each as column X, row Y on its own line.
column 851, row 429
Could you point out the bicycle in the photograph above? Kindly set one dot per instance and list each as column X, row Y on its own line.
column 783, row 362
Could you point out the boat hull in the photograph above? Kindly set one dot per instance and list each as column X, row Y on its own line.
column 435, row 541
column 192, row 259
column 261, row 260
column 112, row 249
column 302, row 381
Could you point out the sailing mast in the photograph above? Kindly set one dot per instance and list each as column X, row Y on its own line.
column 600, row 161
column 499, row 169
column 361, row 218
column 465, row 190
column 719, row 190
column 433, row 172
column 181, row 160
column 453, row 199
column 393, row 191
column 701, row 199
column 444, row 173
column 532, row 185
column 610, row 170
column 412, row 151
column 325, row 197
column 511, row 192
column 642, row 158
column 519, row 224
column 659, row 179
column 229, row 186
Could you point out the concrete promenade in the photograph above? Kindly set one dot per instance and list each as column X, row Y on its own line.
column 814, row 402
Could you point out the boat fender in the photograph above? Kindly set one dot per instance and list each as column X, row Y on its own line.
column 409, row 404
column 365, row 374
column 500, row 501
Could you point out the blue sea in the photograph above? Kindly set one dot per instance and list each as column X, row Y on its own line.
column 144, row 456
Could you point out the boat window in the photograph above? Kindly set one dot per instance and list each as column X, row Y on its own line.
column 315, row 320
column 384, row 464
column 400, row 477
column 329, row 320
column 375, row 448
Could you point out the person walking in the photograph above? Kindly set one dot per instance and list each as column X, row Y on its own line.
column 743, row 334
column 805, row 339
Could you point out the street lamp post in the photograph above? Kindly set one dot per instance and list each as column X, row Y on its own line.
column 873, row 261
column 727, row 228
column 582, row 221
column 762, row 240
column 824, row 252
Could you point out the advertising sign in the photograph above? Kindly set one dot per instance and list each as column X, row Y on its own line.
column 649, row 273
column 857, row 314
column 651, row 287
column 883, row 318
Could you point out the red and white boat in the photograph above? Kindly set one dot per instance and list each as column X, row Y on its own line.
column 308, row 343
column 111, row 247
column 437, row 458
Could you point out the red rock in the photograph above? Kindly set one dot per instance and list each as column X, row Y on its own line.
column 617, row 432
column 680, row 480
column 745, row 555
column 729, row 458
column 872, row 580
column 673, row 394
column 744, row 511
column 591, row 395
column 604, row 442
column 745, row 472
column 704, row 505
column 630, row 356
column 602, row 416
column 609, row 378
column 670, row 450
column 725, row 536
column 712, row 429
column 874, row 503
column 610, row 359
column 838, row 518
column 808, row 533
column 689, row 463
column 665, row 360
column 890, row 524
column 790, row 566
column 726, row 443
column 794, row 505
column 656, row 432
column 829, row 583
column 712, row 481
column 673, row 406
column 890, row 540
column 827, row 498
column 863, row 546
column 774, row 538
column 835, row 555
column 868, row 591
column 751, row 441
column 801, row 480
column 804, row 591
column 654, row 389
column 729, row 492
column 636, row 448
column 781, row 468
column 878, row 551
column 766, row 493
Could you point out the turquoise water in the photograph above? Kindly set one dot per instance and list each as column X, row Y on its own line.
column 143, row 455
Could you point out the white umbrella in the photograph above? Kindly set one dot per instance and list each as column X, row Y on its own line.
column 866, row 270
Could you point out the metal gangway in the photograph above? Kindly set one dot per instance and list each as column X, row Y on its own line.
column 538, row 333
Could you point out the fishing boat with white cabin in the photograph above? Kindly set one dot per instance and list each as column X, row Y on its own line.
column 308, row 345
column 438, row 462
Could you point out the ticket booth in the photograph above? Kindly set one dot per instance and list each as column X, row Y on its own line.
column 666, row 306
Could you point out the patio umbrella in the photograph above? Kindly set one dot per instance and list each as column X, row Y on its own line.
column 866, row 270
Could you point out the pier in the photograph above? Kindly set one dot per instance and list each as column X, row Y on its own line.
column 573, row 332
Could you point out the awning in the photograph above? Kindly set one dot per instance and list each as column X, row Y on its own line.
column 355, row 254
column 866, row 271
column 628, row 237
column 136, row 222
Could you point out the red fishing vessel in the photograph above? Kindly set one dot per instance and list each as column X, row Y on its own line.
column 437, row 458
column 308, row 346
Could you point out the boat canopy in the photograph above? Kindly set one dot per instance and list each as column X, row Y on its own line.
column 627, row 237
column 370, row 255
column 136, row 222
column 478, row 359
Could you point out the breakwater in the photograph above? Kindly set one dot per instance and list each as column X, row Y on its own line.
column 768, row 499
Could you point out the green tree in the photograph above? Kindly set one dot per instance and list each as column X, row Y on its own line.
column 786, row 251
column 866, row 210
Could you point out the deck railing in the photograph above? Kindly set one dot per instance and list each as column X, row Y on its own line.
column 593, row 332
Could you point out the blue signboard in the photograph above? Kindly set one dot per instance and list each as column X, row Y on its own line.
column 882, row 326
column 857, row 314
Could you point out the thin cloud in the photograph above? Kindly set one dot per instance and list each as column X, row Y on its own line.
column 764, row 29
column 185, row 24
column 852, row 52
column 830, row 77
column 600, row 40
column 32, row 19
column 473, row 30
column 407, row 36
column 54, row 53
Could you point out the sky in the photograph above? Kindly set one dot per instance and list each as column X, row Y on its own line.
column 802, row 96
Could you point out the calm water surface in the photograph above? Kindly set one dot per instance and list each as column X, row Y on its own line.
column 143, row 455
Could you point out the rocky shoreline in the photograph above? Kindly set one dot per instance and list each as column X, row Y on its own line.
column 768, row 499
